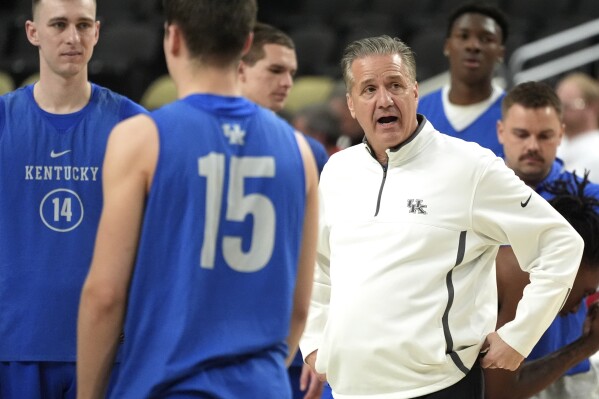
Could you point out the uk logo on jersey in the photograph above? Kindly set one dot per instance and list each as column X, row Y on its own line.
column 234, row 133
column 416, row 206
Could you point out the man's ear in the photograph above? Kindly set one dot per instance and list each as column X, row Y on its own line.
column 248, row 44
column 561, row 132
column 350, row 105
column 241, row 71
column 173, row 40
column 97, row 34
column 31, row 31
column 500, row 131
column 416, row 94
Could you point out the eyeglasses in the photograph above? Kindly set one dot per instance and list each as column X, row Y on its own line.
column 574, row 105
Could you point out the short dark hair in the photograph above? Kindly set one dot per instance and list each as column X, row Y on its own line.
column 580, row 210
column 215, row 31
column 532, row 95
column 266, row 34
column 487, row 10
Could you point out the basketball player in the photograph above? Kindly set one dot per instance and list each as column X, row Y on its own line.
column 53, row 136
column 206, row 245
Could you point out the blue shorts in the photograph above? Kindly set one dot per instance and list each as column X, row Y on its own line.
column 39, row 380
column 262, row 376
column 295, row 373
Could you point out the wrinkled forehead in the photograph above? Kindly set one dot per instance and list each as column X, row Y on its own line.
column 379, row 67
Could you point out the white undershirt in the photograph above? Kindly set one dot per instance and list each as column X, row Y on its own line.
column 461, row 116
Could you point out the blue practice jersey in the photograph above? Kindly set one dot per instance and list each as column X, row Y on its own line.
column 217, row 260
column 320, row 153
column 564, row 329
column 482, row 131
column 50, row 203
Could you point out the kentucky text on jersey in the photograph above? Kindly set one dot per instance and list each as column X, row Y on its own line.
column 45, row 172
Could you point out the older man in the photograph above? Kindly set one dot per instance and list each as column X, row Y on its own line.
column 404, row 298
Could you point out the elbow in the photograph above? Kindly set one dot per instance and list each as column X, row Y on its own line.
column 300, row 315
column 99, row 300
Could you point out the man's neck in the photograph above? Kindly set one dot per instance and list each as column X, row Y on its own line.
column 59, row 95
column 191, row 79
column 461, row 93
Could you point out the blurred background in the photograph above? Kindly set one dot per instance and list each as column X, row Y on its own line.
column 547, row 39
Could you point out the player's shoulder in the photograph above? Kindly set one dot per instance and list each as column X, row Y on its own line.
column 430, row 97
column 134, row 134
column 458, row 148
column 591, row 189
column 16, row 95
column 125, row 106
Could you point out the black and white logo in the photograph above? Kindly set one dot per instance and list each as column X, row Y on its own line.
column 416, row 206
column 524, row 203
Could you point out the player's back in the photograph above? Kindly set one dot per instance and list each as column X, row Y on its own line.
column 215, row 272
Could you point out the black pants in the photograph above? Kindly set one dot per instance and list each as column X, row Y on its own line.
column 472, row 386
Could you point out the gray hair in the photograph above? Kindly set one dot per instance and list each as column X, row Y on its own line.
column 380, row 45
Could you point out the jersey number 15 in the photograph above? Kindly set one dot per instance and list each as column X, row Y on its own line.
column 239, row 205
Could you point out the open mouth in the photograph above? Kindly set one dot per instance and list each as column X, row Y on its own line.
column 385, row 120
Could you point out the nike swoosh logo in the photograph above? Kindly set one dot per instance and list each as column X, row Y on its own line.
column 523, row 204
column 58, row 154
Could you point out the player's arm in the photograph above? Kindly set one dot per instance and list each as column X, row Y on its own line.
column 127, row 174
column 511, row 280
column 532, row 377
column 307, row 259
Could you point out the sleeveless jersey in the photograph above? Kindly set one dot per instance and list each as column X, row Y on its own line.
column 217, row 260
column 50, row 203
column 564, row 329
column 320, row 154
column 482, row 131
